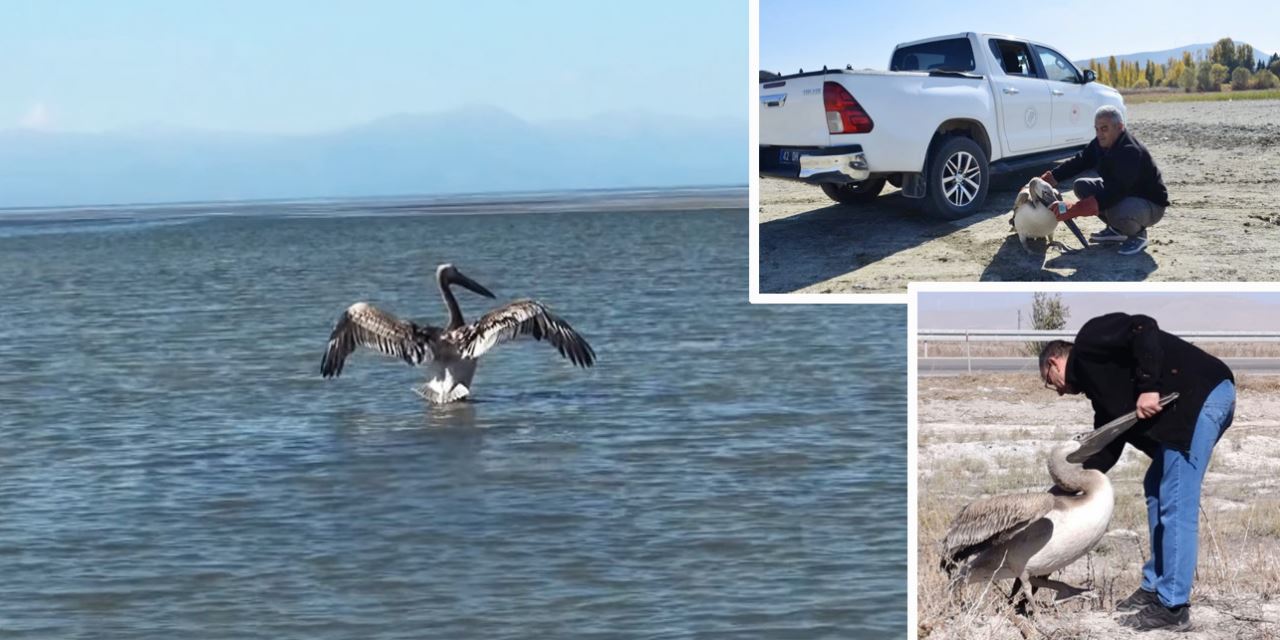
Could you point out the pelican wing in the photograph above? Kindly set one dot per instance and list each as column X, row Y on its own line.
column 1024, row 197
column 990, row 521
column 364, row 325
column 524, row 318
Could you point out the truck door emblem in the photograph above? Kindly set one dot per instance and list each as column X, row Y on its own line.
column 1030, row 117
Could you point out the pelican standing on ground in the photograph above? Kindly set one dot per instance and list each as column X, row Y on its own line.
column 1031, row 215
column 450, row 353
column 1028, row 536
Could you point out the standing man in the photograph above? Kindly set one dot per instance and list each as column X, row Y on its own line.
column 1120, row 361
column 1128, row 195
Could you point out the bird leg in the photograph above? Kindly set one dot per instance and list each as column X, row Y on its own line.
column 1022, row 596
column 1065, row 591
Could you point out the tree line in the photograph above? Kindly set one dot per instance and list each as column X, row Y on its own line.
column 1226, row 64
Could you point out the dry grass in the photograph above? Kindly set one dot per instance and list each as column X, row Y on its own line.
column 1175, row 96
column 1002, row 450
column 950, row 349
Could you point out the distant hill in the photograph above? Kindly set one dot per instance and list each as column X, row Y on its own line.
column 471, row 150
column 1198, row 51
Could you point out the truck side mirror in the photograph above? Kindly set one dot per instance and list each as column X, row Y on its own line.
column 1089, row 76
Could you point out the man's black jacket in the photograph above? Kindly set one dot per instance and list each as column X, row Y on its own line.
column 1118, row 356
column 1126, row 169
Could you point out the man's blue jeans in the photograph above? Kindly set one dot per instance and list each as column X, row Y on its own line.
column 1172, row 486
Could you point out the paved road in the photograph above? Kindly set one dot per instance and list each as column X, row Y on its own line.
column 960, row 366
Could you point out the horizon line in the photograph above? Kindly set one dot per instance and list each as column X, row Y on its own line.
column 512, row 197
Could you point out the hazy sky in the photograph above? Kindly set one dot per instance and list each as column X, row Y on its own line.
column 298, row 66
column 807, row 34
column 1187, row 311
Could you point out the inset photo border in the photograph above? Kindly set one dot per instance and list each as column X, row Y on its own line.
column 991, row 438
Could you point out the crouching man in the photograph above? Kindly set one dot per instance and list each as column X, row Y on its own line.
column 1129, row 194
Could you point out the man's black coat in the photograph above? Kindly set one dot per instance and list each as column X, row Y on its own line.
column 1126, row 169
column 1118, row 356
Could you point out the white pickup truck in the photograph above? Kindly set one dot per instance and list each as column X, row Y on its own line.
column 949, row 113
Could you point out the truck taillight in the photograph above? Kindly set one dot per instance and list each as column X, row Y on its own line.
column 844, row 114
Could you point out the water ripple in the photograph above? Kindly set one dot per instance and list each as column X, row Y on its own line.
column 173, row 464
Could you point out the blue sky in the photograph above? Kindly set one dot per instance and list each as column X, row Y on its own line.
column 288, row 66
column 807, row 34
column 1254, row 311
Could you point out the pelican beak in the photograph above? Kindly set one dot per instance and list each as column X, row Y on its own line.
column 1098, row 439
column 1046, row 198
column 457, row 278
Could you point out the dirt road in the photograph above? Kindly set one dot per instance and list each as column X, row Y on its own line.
column 1221, row 163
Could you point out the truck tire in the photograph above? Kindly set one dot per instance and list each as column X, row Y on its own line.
column 855, row 192
column 957, row 178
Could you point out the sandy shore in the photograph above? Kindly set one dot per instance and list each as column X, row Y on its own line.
column 982, row 435
column 1221, row 163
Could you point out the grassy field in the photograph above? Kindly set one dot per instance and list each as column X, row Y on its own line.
column 1179, row 96
column 990, row 434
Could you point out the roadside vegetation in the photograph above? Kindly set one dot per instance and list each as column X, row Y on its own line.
column 949, row 349
column 1228, row 69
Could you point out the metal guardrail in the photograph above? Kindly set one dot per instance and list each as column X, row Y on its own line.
column 925, row 336
column 1019, row 335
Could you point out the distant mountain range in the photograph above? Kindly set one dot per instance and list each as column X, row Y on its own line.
column 476, row 149
column 1198, row 51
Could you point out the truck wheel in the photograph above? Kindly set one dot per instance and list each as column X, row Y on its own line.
column 957, row 179
column 855, row 192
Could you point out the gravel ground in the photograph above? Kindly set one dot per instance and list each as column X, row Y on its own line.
column 1221, row 163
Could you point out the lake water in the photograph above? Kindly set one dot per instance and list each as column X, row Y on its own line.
column 172, row 465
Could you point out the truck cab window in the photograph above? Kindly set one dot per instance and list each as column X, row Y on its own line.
column 1014, row 57
column 1057, row 67
column 953, row 54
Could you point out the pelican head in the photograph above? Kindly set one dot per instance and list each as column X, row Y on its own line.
column 1041, row 192
column 448, row 274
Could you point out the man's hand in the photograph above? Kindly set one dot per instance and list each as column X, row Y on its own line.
column 1048, row 177
column 1065, row 215
column 1149, row 404
column 1086, row 207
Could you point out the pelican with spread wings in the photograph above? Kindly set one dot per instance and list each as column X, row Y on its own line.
column 450, row 353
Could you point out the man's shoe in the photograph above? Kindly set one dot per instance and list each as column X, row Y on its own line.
column 1158, row 617
column 1107, row 235
column 1134, row 244
column 1137, row 600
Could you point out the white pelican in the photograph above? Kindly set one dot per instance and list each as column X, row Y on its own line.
column 450, row 353
column 1027, row 536
column 1032, row 217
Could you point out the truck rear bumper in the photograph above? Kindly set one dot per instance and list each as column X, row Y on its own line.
column 815, row 165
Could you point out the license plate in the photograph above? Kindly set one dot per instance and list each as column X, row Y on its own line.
column 789, row 156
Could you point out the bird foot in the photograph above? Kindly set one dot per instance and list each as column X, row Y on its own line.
column 1080, row 594
column 1063, row 248
column 1064, row 592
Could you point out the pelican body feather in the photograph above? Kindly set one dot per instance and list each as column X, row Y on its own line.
column 450, row 353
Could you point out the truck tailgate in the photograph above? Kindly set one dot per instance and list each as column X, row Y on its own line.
column 792, row 112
